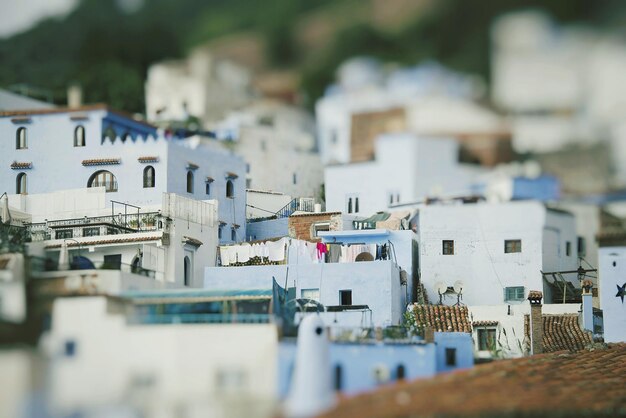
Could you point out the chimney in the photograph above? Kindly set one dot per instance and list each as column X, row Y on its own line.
column 74, row 96
column 587, row 309
column 536, row 322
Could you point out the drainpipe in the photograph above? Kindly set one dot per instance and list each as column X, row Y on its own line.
column 536, row 322
column 587, row 308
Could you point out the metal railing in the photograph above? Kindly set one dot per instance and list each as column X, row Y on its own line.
column 303, row 204
column 97, row 226
column 200, row 319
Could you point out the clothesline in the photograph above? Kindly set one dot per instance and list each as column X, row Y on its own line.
column 295, row 251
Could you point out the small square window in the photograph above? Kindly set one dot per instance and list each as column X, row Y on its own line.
column 514, row 293
column 448, row 247
column 345, row 297
column 450, row 356
column 91, row 232
column 318, row 227
column 64, row 234
column 69, row 348
column 486, row 339
column 513, row 246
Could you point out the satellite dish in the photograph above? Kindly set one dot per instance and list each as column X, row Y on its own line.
column 441, row 287
column 458, row 286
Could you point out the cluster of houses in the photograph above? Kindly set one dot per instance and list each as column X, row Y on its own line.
column 170, row 262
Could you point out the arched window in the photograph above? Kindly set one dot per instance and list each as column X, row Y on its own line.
column 135, row 266
column 189, row 181
column 187, row 272
column 338, row 378
column 148, row 177
column 230, row 189
column 400, row 372
column 103, row 178
column 20, row 184
column 20, row 139
column 79, row 136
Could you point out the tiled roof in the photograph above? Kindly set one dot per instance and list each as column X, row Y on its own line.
column 21, row 165
column 485, row 323
column 561, row 332
column 582, row 384
column 148, row 159
column 535, row 295
column 442, row 318
column 107, row 241
column 193, row 241
column 315, row 214
column 102, row 161
column 73, row 110
column 231, row 175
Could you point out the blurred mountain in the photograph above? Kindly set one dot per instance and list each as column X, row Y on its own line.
column 107, row 45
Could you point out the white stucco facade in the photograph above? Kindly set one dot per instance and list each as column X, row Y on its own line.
column 156, row 368
column 372, row 283
column 478, row 233
column 279, row 145
column 613, row 293
column 406, row 168
column 124, row 148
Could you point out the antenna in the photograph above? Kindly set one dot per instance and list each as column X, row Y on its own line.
column 458, row 286
column 441, row 289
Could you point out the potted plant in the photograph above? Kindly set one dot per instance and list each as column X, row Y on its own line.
column 148, row 220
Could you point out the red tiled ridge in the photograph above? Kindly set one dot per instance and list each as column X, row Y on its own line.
column 106, row 241
column 589, row 383
column 148, row 159
column 561, row 332
column 21, row 166
column 102, row 161
column 485, row 323
column 442, row 318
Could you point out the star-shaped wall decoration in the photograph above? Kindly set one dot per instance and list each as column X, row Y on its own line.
column 621, row 291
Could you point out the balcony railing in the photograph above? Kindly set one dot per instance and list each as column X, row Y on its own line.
column 95, row 226
column 200, row 319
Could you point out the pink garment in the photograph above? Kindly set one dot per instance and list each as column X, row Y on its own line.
column 321, row 251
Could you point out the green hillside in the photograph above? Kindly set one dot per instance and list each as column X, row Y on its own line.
column 108, row 52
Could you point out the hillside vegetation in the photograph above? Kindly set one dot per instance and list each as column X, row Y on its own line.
column 108, row 51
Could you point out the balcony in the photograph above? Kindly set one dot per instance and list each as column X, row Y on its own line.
column 95, row 226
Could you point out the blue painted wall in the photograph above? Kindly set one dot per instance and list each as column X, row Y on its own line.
column 359, row 361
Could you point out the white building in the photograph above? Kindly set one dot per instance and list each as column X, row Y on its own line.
column 613, row 293
column 427, row 100
column 60, row 149
column 202, row 86
column 361, row 294
column 278, row 143
column 406, row 168
column 170, row 242
column 496, row 253
column 157, row 369
column 562, row 85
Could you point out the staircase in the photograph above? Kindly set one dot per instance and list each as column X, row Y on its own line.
column 302, row 204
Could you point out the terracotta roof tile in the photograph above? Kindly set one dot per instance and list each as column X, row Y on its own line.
column 107, row 241
column 148, row 159
column 192, row 241
column 21, row 165
column 583, row 384
column 485, row 323
column 561, row 332
column 442, row 318
column 102, row 161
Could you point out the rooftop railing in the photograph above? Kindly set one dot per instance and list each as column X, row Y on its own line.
column 200, row 319
column 95, row 226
